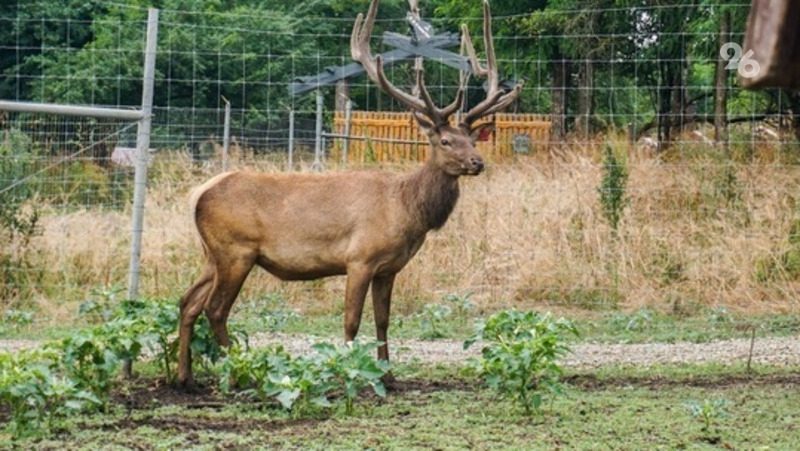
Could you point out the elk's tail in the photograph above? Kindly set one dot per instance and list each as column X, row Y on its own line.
column 194, row 199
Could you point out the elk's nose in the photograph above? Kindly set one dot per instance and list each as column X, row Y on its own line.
column 477, row 164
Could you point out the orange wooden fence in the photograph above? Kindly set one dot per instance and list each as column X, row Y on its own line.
column 396, row 137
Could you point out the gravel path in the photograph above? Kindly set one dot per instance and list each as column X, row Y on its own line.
column 772, row 351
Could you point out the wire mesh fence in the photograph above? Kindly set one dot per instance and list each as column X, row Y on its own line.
column 707, row 209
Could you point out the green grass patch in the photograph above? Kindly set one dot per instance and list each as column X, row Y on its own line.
column 439, row 407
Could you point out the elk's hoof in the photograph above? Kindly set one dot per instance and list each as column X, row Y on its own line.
column 188, row 386
column 389, row 380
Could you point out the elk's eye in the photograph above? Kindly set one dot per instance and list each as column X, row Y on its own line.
column 445, row 142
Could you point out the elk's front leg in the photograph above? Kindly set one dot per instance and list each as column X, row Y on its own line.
column 381, row 303
column 358, row 278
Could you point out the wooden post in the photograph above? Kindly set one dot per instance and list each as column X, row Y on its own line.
column 342, row 94
column 317, row 165
column 348, row 119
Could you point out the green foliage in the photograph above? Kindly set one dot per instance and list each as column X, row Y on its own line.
column 351, row 368
column 36, row 392
column 461, row 304
column 433, row 319
column 18, row 221
column 252, row 370
column 638, row 321
column 271, row 312
column 708, row 412
column 612, row 188
column 302, row 383
column 89, row 361
column 18, row 319
column 152, row 324
column 101, row 306
column 520, row 358
column 77, row 373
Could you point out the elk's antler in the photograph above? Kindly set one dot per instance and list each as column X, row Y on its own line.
column 421, row 103
column 496, row 99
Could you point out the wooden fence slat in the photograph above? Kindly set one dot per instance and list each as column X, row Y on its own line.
column 402, row 126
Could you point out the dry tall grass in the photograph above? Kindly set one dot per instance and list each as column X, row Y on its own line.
column 694, row 233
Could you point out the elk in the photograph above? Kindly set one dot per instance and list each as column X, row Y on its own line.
column 365, row 225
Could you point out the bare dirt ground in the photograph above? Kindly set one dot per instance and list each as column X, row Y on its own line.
column 770, row 351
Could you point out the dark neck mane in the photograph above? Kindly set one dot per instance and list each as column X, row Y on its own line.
column 430, row 195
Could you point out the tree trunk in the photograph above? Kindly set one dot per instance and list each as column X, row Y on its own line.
column 583, row 126
column 794, row 105
column 721, row 88
column 679, row 106
column 664, row 98
column 558, row 128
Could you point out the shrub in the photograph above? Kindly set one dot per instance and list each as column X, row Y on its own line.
column 153, row 323
column 462, row 305
column 612, row 187
column 89, row 361
column 352, row 368
column 520, row 358
column 301, row 383
column 101, row 306
column 18, row 319
column 432, row 320
column 36, row 391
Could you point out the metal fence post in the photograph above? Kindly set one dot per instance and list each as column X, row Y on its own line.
column 348, row 117
column 291, row 141
column 142, row 152
column 317, row 166
column 226, row 135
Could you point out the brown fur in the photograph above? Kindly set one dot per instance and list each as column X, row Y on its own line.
column 366, row 225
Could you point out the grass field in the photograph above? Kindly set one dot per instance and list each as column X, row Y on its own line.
column 697, row 231
column 444, row 408
column 707, row 249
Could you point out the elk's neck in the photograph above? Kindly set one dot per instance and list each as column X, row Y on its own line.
column 430, row 194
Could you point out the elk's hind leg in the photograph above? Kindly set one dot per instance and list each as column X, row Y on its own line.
column 191, row 306
column 231, row 277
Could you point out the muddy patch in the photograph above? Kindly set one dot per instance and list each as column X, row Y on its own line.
column 592, row 382
column 191, row 426
column 149, row 394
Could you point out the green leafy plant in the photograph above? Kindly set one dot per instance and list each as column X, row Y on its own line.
column 303, row 386
column 101, row 306
column 708, row 412
column 638, row 321
column 352, row 368
column 612, row 187
column 18, row 319
column 270, row 309
column 521, row 354
column 89, row 361
column 302, row 383
column 461, row 304
column 35, row 391
column 252, row 370
column 432, row 320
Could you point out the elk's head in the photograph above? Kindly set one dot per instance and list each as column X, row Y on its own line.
column 453, row 147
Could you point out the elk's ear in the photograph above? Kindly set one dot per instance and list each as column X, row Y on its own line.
column 481, row 132
column 425, row 124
